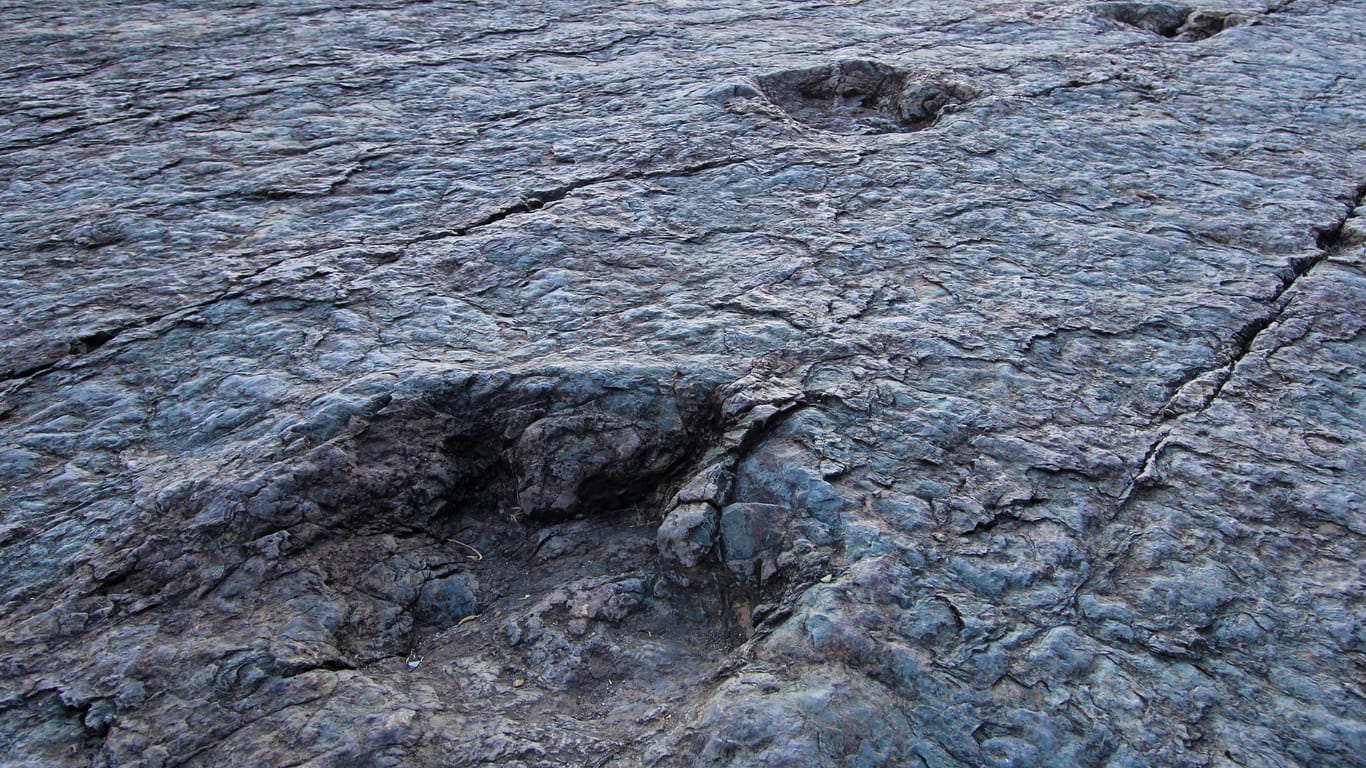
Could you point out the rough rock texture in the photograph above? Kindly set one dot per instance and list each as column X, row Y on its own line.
column 804, row 384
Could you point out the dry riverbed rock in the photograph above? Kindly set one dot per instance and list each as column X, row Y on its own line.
column 683, row 384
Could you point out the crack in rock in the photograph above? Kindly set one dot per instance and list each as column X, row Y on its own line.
column 1198, row 392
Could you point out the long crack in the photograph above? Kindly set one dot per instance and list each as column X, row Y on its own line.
column 92, row 342
column 526, row 203
column 1329, row 241
column 536, row 200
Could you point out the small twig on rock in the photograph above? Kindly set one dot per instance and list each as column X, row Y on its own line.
column 477, row 556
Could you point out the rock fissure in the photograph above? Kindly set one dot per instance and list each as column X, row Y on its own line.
column 536, row 200
column 1213, row 381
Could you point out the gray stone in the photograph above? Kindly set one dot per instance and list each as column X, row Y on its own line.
column 445, row 601
column 688, row 533
column 752, row 540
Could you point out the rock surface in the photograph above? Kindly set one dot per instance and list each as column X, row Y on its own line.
column 800, row 384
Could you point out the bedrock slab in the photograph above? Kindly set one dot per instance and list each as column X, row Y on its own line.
column 680, row 384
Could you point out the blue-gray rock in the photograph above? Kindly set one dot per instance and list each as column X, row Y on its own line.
column 445, row 601
column 945, row 383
